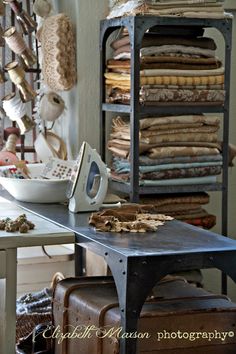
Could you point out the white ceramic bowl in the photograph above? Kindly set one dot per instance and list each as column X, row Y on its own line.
column 35, row 190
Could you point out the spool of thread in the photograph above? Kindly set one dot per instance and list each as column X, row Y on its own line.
column 14, row 40
column 25, row 21
column 13, row 106
column 11, row 143
column 16, row 72
column 42, row 8
column 15, row 6
column 8, row 154
column 16, row 110
column 11, row 130
column 17, row 76
column 51, row 106
column 17, row 44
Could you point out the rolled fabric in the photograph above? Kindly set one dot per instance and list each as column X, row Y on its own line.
column 51, row 106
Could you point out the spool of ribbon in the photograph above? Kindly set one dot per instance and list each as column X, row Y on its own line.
column 17, row 76
column 17, row 44
column 16, row 111
column 51, row 106
column 50, row 145
column 42, row 8
column 25, row 21
column 8, row 154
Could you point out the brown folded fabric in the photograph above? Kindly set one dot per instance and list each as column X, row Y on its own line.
column 178, row 208
column 170, row 151
column 183, row 173
column 149, row 134
column 150, row 39
column 206, row 222
column 183, row 104
column 157, row 122
column 177, row 66
column 166, row 59
column 187, row 214
column 184, row 59
column 177, row 199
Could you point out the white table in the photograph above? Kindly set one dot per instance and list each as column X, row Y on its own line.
column 45, row 233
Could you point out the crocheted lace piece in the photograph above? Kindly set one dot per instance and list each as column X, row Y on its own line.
column 58, row 49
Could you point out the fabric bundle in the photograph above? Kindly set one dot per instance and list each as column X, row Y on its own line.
column 185, row 207
column 173, row 150
column 183, row 8
column 174, row 69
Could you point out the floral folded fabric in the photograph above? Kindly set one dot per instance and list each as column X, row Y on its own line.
column 169, row 95
column 174, row 173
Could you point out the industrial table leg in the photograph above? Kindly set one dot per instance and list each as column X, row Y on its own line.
column 133, row 286
column 80, row 263
column 8, row 304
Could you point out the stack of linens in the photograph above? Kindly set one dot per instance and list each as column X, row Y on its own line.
column 174, row 150
column 183, row 8
column 181, row 68
column 184, row 207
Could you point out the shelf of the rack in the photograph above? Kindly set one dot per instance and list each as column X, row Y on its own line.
column 166, row 21
column 164, row 109
column 125, row 188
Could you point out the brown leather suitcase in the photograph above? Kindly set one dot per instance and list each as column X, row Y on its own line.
column 176, row 309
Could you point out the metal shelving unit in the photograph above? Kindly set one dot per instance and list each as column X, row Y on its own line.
column 137, row 26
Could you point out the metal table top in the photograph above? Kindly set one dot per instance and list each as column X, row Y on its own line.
column 173, row 238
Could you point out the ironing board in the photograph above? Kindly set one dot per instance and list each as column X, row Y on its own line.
column 45, row 233
column 137, row 262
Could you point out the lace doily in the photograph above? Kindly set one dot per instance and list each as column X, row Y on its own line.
column 58, row 50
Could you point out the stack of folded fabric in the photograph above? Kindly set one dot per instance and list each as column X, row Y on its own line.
column 179, row 68
column 184, row 207
column 184, row 8
column 174, row 150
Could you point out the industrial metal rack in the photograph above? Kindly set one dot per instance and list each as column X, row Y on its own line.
column 137, row 26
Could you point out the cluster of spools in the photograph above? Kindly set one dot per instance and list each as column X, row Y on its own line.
column 60, row 74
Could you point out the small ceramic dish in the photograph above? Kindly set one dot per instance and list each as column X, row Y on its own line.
column 35, row 190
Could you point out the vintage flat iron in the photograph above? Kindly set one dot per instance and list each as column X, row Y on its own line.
column 89, row 181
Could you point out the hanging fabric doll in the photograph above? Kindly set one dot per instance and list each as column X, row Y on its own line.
column 8, row 154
